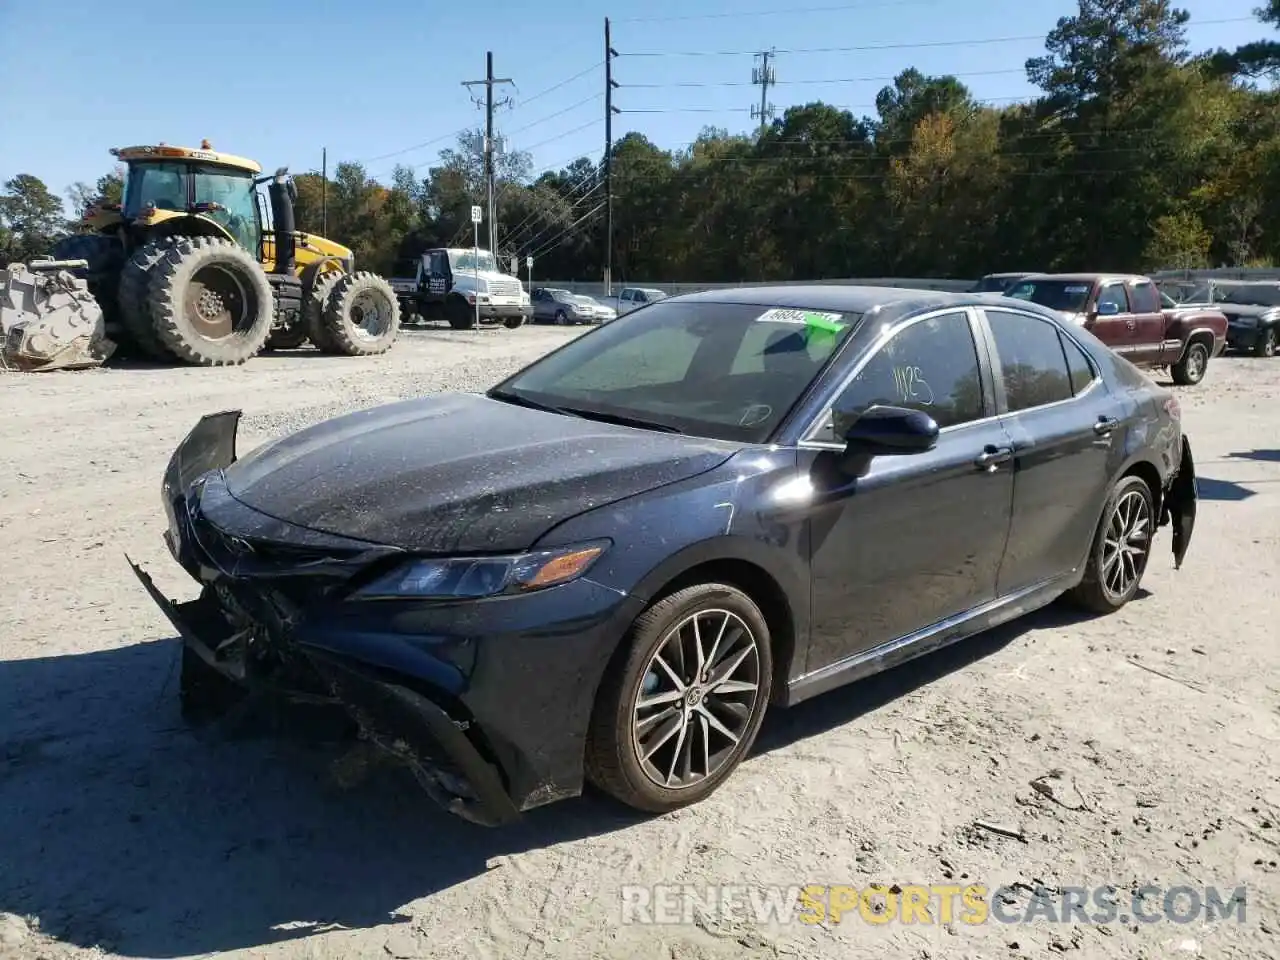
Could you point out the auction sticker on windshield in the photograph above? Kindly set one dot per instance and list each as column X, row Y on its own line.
column 1077, row 288
column 831, row 322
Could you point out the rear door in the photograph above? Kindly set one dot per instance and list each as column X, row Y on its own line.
column 1149, row 323
column 1056, row 410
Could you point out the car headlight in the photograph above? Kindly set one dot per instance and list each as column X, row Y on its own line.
column 461, row 578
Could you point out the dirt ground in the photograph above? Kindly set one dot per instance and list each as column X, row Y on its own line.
column 1156, row 732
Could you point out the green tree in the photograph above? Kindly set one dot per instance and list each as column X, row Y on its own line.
column 31, row 218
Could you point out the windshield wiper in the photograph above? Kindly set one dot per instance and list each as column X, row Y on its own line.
column 515, row 398
column 620, row 419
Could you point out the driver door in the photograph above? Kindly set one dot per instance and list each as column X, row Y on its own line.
column 900, row 543
column 1113, row 322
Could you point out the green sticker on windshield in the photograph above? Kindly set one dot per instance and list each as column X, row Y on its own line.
column 814, row 320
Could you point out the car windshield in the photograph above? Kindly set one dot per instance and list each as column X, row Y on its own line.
column 729, row 371
column 1068, row 296
column 463, row 261
column 1263, row 295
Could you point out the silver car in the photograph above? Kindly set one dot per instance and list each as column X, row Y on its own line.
column 551, row 304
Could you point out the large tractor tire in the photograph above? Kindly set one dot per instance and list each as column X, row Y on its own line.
column 135, row 305
column 211, row 302
column 105, row 256
column 313, row 308
column 361, row 315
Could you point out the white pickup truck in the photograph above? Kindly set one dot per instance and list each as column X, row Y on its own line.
column 451, row 283
column 632, row 298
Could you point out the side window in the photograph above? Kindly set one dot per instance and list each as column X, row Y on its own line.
column 1034, row 367
column 625, row 295
column 930, row 365
column 1145, row 297
column 1114, row 293
column 641, row 298
column 1079, row 366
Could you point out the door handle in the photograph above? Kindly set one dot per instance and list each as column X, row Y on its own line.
column 992, row 456
column 1104, row 426
column 1130, row 324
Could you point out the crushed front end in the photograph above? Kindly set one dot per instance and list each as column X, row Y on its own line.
column 269, row 620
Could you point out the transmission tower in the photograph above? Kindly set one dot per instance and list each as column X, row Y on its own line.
column 764, row 77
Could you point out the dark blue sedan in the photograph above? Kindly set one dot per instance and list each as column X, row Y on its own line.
column 605, row 568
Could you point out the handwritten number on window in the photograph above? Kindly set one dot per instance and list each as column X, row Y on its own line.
column 912, row 386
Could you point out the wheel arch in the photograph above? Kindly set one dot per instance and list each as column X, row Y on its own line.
column 192, row 225
column 734, row 562
column 1202, row 335
column 1149, row 473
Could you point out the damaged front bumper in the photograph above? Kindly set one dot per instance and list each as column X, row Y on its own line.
column 406, row 673
column 1180, row 501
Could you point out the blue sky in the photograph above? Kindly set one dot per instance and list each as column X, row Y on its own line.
column 381, row 82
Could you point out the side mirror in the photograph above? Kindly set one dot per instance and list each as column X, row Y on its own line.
column 1106, row 309
column 886, row 430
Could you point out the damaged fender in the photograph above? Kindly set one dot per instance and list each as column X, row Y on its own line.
column 1181, row 502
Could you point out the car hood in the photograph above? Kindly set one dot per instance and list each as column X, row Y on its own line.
column 459, row 472
column 1245, row 309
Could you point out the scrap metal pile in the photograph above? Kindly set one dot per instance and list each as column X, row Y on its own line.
column 48, row 318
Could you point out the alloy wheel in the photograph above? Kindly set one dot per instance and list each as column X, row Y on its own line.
column 1197, row 359
column 1126, row 544
column 696, row 699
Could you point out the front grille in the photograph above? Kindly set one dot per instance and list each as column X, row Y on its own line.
column 505, row 288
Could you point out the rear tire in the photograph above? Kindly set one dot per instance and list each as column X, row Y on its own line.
column 632, row 748
column 1120, row 550
column 361, row 315
column 211, row 302
column 135, row 307
column 105, row 256
column 1191, row 369
column 1266, row 345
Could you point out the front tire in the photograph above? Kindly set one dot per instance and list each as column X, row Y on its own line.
column 1191, row 369
column 674, row 718
column 361, row 315
column 1266, row 345
column 513, row 323
column 1120, row 550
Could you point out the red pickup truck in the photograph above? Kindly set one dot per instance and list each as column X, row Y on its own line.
column 1129, row 314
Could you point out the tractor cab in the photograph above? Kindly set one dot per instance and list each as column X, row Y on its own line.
column 164, row 183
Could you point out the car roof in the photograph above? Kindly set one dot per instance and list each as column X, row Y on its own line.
column 846, row 298
column 1086, row 277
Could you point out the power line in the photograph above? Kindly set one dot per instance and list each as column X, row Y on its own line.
column 772, row 13
column 559, row 113
column 837, row 106
column 526, row 224
column 563, row 83
column 561, row 136
column 814, row 81
column 535, row 237
column 916, row 45
column 557, row 240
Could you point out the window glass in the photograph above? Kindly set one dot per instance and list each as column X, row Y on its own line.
column 1114, row 293
column 1078, row 365
column 164, row 184
column 727, row 370
column 1069, row 296
column 1034, row 366
column 234, row 195
column 931, row 365
column 1146, row 298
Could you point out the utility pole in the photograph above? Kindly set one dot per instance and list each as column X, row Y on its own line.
column 609, row 111
column 488, row 82
column 764, row 77
column 324, row 191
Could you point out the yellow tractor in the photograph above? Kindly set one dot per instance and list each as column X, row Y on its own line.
column 189, row 266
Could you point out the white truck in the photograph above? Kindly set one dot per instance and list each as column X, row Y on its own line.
column 449, row 283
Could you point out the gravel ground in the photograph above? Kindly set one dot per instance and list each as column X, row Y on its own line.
column 1151, row 736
